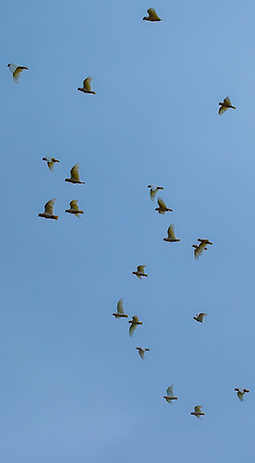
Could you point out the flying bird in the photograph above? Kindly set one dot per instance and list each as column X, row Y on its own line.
column 16, row 70
column 152, row 16
column 199, row 248
column 200, row 317
column 197, row 411
column 141, row 351
column 74, row 208
column 153, row 190
column 48, row 210
column 140, row 272
column 240, row 392
column 120, row 310
column 50, row 162
column 226, row 104
column 75, row 176
column 171, row 235
column 162, row 208
column 134, row 322
column 87, row 86
column 170, row 395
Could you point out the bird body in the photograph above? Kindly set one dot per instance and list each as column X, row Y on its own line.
column 152, row 16
column 200, row 317
column 134, row 322
column 75, row 176
column 48, row 210
column 197, row 411
column 141, row 351
column 171, row 235
column 162, row 208
column 16, row 70
column 50, row 162
column 170, row 395
column 87, row 86
column 74, row 208
column 153, row 190
column 120, row 310
column 241, row 392
column 140, row 272
column 226, row 104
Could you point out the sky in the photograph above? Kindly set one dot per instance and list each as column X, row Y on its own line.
column 72, row 386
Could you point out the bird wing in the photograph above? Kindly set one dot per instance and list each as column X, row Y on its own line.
column 74, row 204
column 240, row 395
column 87, row 83
column 135, row 319
column 161, row 203
column 152, row 13
column 16, row 73
column 199, row 250
column 141, row 268
column 201, row 316
column 120, row 308
column 169, row 390
column 132, row 329
column 170, row 231
column 222, row 109
column 48, row 207
column 197, row 408
column 141, row 353
column 227, row 101
column 153, row 193
column 50, row 164
column 75, row 172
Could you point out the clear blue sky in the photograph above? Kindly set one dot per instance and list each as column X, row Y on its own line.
column 72, row 385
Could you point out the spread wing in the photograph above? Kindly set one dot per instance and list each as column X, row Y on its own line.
column 201, row 316
column 161, row 203
column 152, row 13
column 75, row 172
column 153, row 193
column 141, row 353
column 227, row 101
column 197, row 408
column 120, row 308
column 87, row 83
column 48, row 208
column 199, row 250
column 132, row 329
column 74, row 204
column 170, row 231
column 141, row 268
column 169, row 390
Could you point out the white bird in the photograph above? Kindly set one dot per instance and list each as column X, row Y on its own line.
column 241, row 392
column 48, row 210
column 74, row 208
column 75, row 176
column 162, row 207
column 171, row 235
column 197, row 411
column 200, row 317
column 153, row 190
column 120, row 310
column 16, row 70
column 50, row 162
column 170, row 395
column 134, row 322
column 140, row 272
column 87, row 86
column 141, row 351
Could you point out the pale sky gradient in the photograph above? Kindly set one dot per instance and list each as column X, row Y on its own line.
column 73, row 388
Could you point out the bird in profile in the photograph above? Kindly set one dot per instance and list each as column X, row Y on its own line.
column 48, row 210
column 197, row 411
column 75, row 176
column 50, row 162
column 74, row 208
column 202, row 246
column 226, row 104
column 87, row 86
column 240, row 392
column 16, row 70
column 153, row 190
column 140, row 272
column 152, row 16
column 134, row 322
column 200, row 317
column 171, row 235
column 162, row 208
column 170, row 395
column 141, row 351
column 120, row 310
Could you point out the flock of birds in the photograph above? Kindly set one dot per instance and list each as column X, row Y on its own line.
column 201, row 246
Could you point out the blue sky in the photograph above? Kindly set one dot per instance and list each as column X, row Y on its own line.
column 72, row 385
